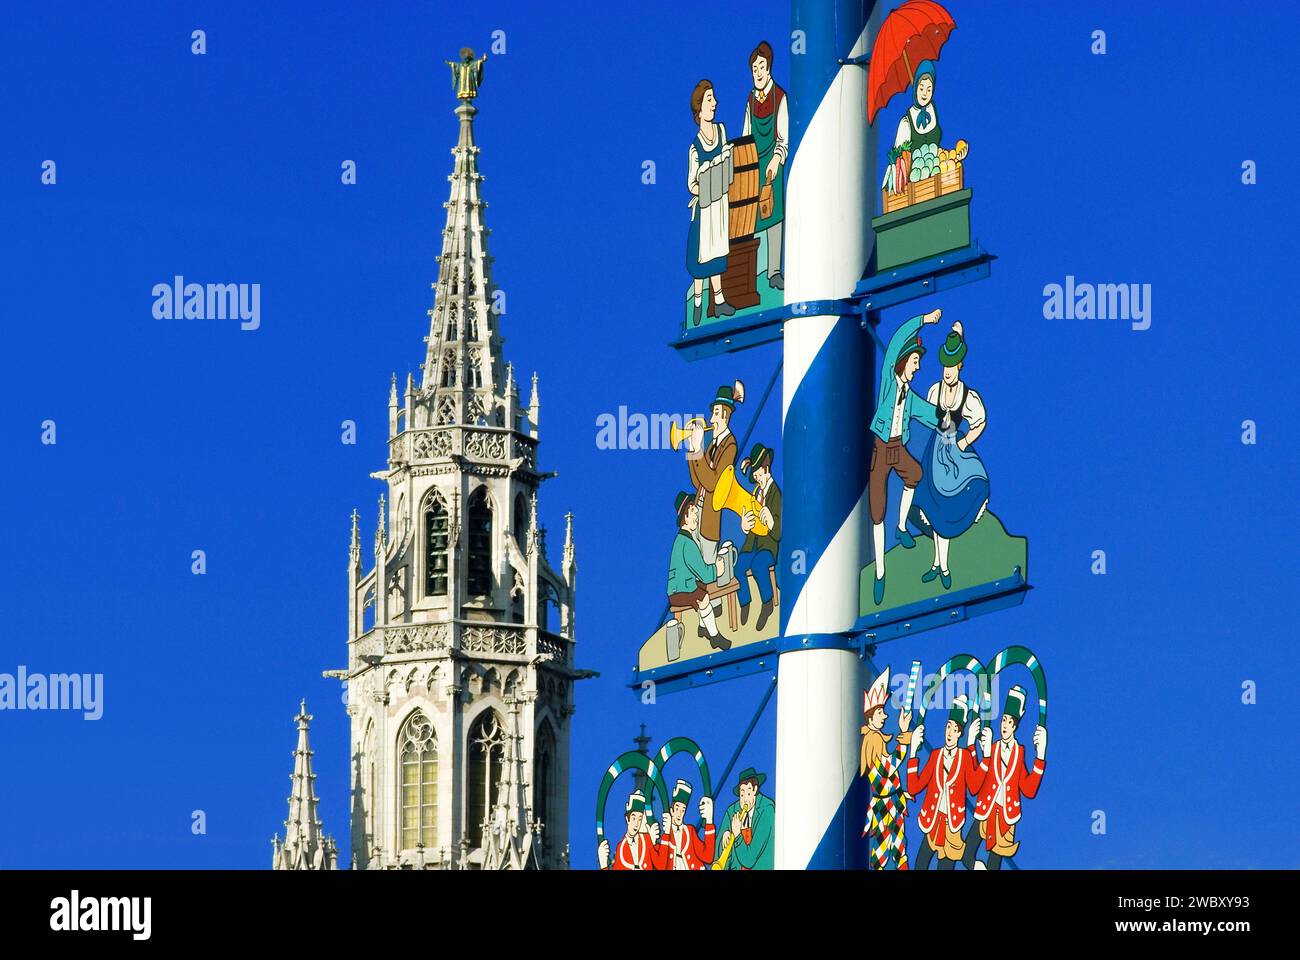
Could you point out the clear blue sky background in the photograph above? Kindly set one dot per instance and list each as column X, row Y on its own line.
column 174, row 436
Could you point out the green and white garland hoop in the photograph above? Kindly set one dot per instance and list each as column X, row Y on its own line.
column 961, row 661
column 632, row 760
column 1021, row 656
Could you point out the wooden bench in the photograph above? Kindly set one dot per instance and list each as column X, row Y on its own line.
column 729, row 591
column 716, row 592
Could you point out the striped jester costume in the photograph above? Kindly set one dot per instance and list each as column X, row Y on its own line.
column 886, row 822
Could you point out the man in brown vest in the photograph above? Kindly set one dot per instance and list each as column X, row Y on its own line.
column 707, row 464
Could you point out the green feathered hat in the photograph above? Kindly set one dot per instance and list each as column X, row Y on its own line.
column 759, row 456
column 953, row 350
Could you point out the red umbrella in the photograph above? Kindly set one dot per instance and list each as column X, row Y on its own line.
column 911, row 33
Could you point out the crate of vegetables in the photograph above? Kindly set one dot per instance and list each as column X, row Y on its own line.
column 920, row 174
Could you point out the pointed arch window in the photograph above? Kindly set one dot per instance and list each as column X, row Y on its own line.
column 544, row 787
column 448, row 369
column 366, row 774
column 547, row 598
column 521, row 522
column 475, row 372
column 479, row 561
column 437, row 537
column 418, row 797
column 471, row 324
column 486, row 760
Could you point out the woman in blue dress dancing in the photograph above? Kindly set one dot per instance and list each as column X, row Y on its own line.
column 954, row 490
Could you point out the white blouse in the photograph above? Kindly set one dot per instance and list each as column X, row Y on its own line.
column 972, row 410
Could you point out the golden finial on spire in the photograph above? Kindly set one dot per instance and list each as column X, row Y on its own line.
column 466, row 74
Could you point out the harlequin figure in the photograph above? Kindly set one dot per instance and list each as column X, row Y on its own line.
column 1006, row 779
column 639, row 849
column 683, row 847
column 883, row 768
column 951, row 774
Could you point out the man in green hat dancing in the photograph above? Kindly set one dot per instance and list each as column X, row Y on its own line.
column 747, row 843
column 896, row 407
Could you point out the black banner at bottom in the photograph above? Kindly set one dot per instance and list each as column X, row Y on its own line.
column 218, row 908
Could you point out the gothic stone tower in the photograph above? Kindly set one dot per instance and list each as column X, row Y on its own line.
column 461, row 636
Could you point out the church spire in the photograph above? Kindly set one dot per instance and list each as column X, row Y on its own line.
column 304, row 847
column 463, row 368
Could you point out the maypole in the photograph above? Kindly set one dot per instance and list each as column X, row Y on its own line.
column 828, row 391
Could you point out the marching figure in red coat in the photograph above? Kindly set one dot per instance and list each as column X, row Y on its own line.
column 950, row 775
column 1006, row 779
column 639, row 849
column 683, row 847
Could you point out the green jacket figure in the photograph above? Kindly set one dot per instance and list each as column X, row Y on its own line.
column 747, row 840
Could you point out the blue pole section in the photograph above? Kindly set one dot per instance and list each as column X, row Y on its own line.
column 827, row 402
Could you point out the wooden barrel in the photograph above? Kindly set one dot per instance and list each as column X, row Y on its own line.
column 742, row 197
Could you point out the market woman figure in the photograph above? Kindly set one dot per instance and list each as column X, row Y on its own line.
column 708, row 177
column 920, row 125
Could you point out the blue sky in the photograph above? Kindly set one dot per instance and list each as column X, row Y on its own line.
column 174, row 436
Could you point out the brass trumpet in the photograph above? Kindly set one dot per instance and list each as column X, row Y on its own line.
column 677, row 434
column 721, row 862
column 730, row 495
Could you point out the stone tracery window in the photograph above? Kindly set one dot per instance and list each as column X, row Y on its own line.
column 486, row 762
column 418, row 799
column 479, row 561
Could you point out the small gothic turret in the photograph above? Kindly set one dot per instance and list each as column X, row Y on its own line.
column 392, row 408
column 304, row 847
column 534, row 409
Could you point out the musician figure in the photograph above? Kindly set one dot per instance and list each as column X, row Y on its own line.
column 758, row 554
column 748, row 842
column 707, row 464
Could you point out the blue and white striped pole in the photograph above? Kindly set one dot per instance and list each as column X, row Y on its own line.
column 828, row 387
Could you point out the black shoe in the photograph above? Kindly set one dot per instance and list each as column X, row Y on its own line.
column 695, row 314
column 744, row 613
column 776, row 281
column 763, row 614
column 719, row 642
column 723, row 309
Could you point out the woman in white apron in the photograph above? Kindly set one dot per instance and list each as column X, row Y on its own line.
column 708, row 177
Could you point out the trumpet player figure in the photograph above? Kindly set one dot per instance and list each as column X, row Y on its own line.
column 683, row 847
column 747, row 841
column 708, row 463
column 883, row 767
column 689, row 575
column 758, row 555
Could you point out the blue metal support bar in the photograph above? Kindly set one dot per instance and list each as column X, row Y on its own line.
column 767, row 696
column 872, row 294
column 923, row 278
column 869, row 632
